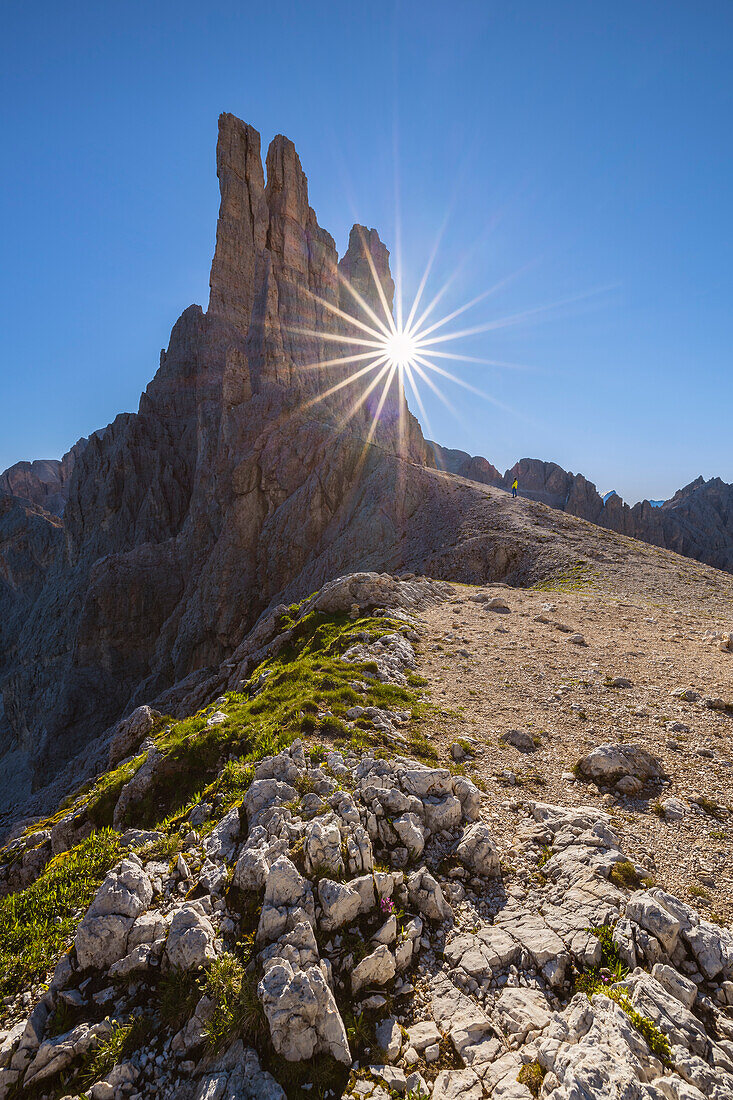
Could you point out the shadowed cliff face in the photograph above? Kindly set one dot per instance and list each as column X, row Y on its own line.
column 44, row 482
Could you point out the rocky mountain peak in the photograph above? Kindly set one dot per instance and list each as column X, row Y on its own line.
column 44, row 482
column 287, row 184
column 242, row 227
column 366, row 258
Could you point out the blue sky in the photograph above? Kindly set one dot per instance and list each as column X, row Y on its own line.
column 583, row 149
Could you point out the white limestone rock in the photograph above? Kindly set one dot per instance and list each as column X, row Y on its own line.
column 101, row 938
column 426, row 895
column 302, row 1014
column 222, row 841
column 55, row 1055
column 389, row 1038
column 288, row 900
column 322, row 846
column 190, row 942
column 340, row 904
column 646, row 911
column 378, row 968
column 237, row 1075
column 478, row 852
column 607, row 764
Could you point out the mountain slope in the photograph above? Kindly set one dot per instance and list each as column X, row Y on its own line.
column 697, row 521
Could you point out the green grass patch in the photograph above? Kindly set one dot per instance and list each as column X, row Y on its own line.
column 578, row 578
column 545, row 855
column 710, row 806
column 105, row 792
column 700, row 894
column 306, row 679
column 124, row 1040
column 532, row 1074
column 238, row 1012
column 625, row 876
column 179, row 992
column 37, row 924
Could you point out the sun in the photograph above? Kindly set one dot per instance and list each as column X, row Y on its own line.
column 400, row 349
column 409, row 343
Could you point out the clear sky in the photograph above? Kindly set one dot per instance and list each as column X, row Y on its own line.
column 584, row 149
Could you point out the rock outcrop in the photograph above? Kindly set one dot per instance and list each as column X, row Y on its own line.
column 340, row 915
column 506, row 982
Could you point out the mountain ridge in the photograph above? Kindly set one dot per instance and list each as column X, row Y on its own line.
column 696, row 521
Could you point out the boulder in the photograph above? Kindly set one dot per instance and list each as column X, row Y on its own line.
column 645, row 910
column 457, row 1084
column 410, row 833
column 70, row 831
column 190, row 942
column 375, row 969
column 237, row 1075
column 340, row 904
column 138, row 786
column 442, row 813
column 322, row 846
column 263, row 793
column 101, row 938
column 423, row 1034
column 129, row 733
column 427, row 897
column 468, row 795
column 607, row 764
column 389, row 1038
column 520, row 740
column 288, row 900
column 222, row 841
column 57, row 1054
column 302, row 1013
column 478, row 852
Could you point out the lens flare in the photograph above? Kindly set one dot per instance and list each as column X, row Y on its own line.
column 400, row 348
column 383, row 345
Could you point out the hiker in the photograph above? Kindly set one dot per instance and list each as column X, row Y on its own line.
column 515, row 486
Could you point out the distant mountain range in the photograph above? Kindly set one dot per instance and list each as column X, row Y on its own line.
column 697, row 521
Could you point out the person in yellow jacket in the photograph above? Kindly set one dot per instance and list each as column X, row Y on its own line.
column 515, row 486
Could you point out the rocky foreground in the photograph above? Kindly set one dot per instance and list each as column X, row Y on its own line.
column 286, row 894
